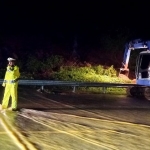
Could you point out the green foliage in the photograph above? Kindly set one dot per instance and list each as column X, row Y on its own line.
column 54, row 61
column 98, row 90
column 91, row 74
column 109, row 71
column 88, row 74
column 50, row 63
column 34, row 65
column 99, row 69
column 75, row 73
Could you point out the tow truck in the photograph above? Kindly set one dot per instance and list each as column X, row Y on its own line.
column 142, row 68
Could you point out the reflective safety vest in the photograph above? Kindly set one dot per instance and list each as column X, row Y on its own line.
column 12, row 74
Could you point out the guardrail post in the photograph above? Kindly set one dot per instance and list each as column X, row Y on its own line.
column 104, row 89
column 74, row 89
column 42, row 88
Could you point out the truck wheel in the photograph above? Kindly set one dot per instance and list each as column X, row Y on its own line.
column 147, row 93
column 133, row 91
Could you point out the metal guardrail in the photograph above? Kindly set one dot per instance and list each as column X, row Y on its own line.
column 70, row 83
column 73, row 84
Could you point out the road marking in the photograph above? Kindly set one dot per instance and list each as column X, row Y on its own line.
column 74, row 135
column 17, row 137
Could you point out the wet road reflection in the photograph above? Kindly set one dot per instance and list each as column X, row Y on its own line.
column 75, row 132
column 6, row 141
column 77, row 122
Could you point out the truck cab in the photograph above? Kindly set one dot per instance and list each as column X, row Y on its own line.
column 142, row 70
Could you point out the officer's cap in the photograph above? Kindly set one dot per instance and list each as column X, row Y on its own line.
column 11, row 59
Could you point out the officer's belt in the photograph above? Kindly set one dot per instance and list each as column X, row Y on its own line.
column 10, row 81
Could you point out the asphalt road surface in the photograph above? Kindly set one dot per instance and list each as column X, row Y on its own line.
column 73, row 121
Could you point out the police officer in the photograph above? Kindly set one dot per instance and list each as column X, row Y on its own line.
column 11, row 84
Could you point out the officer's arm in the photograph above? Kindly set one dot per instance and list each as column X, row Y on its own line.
column 17, row 73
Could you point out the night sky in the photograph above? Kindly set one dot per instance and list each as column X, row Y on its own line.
column 67, row 19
